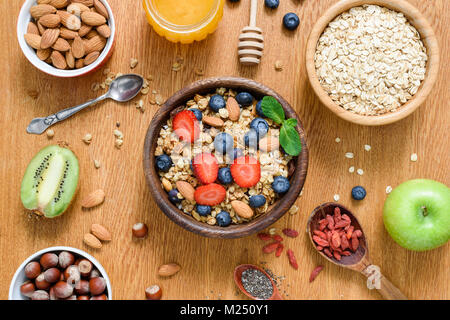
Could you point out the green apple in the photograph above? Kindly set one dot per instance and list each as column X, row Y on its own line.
column 417, row 214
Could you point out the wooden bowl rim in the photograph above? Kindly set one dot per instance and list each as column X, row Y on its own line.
column 428, row 37
column 188, row 222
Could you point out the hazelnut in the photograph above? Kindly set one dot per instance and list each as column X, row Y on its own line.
column 52, row 294
column 49, row 260
column 40, row 295
column 65, row 259
column 100, row 297
column 72, row 274
column 32, row 270
column 85, row 267
column 52, row 275
column 82, row 287
column 140, row 230
column 83, row 298
column 153, row 293
column 94, row 274
column 40, row 282
column 63, row 290
column 27, row 289
column 72, row 297
column 97, row 286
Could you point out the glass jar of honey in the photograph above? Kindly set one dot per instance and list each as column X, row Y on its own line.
column 184, row 20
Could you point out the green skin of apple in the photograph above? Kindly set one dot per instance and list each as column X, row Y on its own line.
column 417, row 214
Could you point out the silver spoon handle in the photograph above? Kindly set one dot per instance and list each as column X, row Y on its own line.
column 39, row 125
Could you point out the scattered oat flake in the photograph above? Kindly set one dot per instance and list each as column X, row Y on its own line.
column 87, row 138
column 133, row 63
column 337, row 140
column 118, row 143
column 199, row 72
column 388, row 189
column 351, row 169
column 336, row 197
column 50, row 133
column 349, row 155
column 95, row 86
column 414, row 157
column 360, row 172
column 278, row 65
column 159, row 99
column 176, row 67
column 367, row 147
column 118, row 134
column 97, row 164
column 272, row 231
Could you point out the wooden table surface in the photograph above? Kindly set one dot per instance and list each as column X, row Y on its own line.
column 208, row 264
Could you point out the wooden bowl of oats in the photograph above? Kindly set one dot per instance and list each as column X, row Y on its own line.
column 372, row 62
column 166, row 183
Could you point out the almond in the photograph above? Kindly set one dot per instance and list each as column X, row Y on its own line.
column 186, row 190
column 41, row 28
column 67, row 34
column 167, row 270
column 32, row 28
column 79, row 63
column 91, row 241
column 268, row 144
column 61, row 45
column 100, row 232
column 92, row 18
column 49, row 38
column 101, row 8
column 77, row 9
column 234, row 111
column 70, row 60
column 50, row 20
column 33, row 40
column 104, row 31
column 58, row 60
column 91, row 57
column 213, row 121
column 93, row 33
column 78, row 50
column 97, row 43
column 43, row 54
column 242, row 209
column 84, row 30
column 41, row 10
column 93, row 199
column 59, row 4
column 88, row 3
column 70, row 21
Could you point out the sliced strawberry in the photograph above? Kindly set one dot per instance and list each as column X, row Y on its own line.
column 186, row 126
column 206, row 167
column 246, row 171
column 210, row 195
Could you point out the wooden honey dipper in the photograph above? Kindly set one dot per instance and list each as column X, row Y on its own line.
column 251, row 40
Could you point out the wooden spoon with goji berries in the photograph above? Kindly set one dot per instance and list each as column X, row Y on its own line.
column 337, row 235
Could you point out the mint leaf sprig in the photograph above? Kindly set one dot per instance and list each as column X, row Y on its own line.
column 289, row 137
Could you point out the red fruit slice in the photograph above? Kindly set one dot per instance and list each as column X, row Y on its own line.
column 246, row 171
column 206, row 167
column 210, row 195
column 186, row 127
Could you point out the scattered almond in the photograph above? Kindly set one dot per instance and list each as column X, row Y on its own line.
column 213, row 121
column 91, row 241
column 101, row 232
column 234, row 111
column 93, row 199
column 242, row 209
column 186, row 190
column 167, row 270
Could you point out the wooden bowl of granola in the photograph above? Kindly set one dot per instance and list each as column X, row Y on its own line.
column 297, row 176
column 351, row 73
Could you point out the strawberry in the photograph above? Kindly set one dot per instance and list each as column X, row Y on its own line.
column 206, row 167
column 246, row 171
column 210, row 194
column 186, row 126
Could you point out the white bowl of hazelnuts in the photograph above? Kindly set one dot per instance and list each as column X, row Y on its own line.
column 60, row 273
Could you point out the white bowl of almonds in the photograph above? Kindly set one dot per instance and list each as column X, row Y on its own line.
column 372, row 62
column 66, row 38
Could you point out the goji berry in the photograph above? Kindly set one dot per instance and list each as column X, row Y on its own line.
column 290, row 233
column 279, row 250
column 292, row 259
column 315, row 273
column 264, row 236
column 271, row 247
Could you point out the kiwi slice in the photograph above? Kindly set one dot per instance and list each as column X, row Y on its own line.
column 50, row 181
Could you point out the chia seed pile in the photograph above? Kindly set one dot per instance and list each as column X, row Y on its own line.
column 257, row 284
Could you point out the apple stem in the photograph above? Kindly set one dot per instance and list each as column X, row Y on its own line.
column 424, row 211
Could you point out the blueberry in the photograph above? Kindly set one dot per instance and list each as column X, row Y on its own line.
column 260, row 126
column 280, row 185
column 251, row 139
column 173, row 196
column 223, row 219
column 203, row 210
column 259, row 109
column 245, row 99
column 272, row 4
column 358, row 193
column 291, row 21
column 257, row 201
column 198, row 113
column 224, row 176
column 217, row 102
column 163, row 162
column 224, row 143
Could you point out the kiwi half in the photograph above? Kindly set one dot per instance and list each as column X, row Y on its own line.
column 50, row 181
